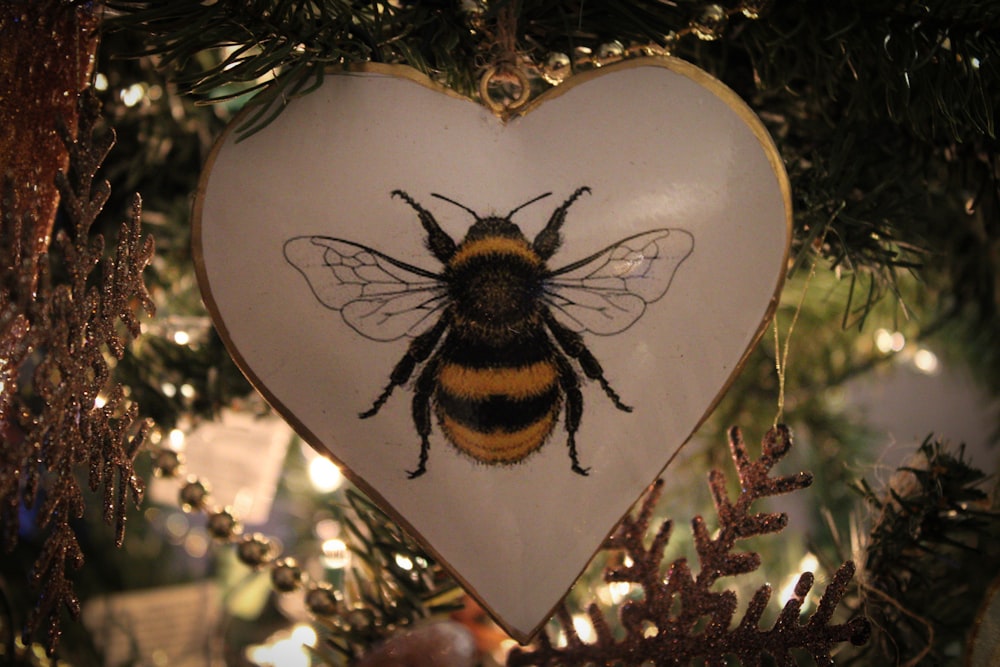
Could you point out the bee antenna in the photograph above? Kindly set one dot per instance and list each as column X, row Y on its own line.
column 527, row 203
column 461, row 206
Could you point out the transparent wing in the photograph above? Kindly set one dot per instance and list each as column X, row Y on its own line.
column 608, row 291
column 379, row 297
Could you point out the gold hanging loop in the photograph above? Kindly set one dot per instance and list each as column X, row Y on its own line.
column 504, row 90
column 504, row 85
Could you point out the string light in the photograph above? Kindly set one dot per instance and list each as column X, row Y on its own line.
column 133, row 94
column 584, row 628
column 808, row 563
column 288, row 648
column 926, row 361
column 889, row 341
column 324, row 475
column 176, row 439
column 619, row 590
column 335, row 554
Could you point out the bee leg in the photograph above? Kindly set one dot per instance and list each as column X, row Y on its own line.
column 420, row 349
column 422, row 414
column 548, row 240
column 570, row 385
column 572, row 344
column 400, row 374
column 438, row 241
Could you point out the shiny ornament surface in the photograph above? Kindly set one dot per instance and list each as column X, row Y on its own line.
column 653, row 222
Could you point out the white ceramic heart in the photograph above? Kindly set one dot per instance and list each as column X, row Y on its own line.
column 659, row 143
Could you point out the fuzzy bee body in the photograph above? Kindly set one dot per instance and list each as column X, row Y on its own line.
column 497, row 412
column 496, row 389
column 495, row 367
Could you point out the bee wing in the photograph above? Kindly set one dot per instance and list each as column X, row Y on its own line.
column 378, row 296
column 608, row 291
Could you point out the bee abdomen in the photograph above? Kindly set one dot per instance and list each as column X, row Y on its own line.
column 516, row 382
column 498, row 415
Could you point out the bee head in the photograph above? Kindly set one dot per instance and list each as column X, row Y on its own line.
column 493, row 225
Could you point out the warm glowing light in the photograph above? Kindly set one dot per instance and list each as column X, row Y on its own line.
column 584, row 628
column 335, row 554
column 324, row 475
column 176, row 438
column 99, row 402
column 285, row 649
column 187, row 390
column 926, row 361
column 883, row 341
column 133, row 94
column 177, row 526
column 404, row 562
column 196, row 545
column 889, row 341
column 499, row 654
column 182, row 337
column 619, row 590
column 327, row 529
column 101, row 82
column 809, row 563
column 304, row 634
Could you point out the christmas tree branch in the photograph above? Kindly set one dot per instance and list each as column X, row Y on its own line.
column 395, row 584
column 884, row 113
column 932, row 526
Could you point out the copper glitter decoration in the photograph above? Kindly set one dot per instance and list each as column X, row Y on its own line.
column 682, row 617
column 65, row 316
column 46, row 54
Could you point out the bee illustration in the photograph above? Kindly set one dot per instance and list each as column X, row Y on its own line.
column 495, row 332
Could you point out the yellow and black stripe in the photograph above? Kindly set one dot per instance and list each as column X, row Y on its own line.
column 497, row 394
column 498, row 415
column 494, row 248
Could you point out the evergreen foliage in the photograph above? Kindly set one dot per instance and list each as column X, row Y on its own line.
column 931, row 521
column 883, row 111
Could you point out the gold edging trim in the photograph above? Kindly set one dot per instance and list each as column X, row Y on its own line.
column 684, row 68
column 988, row 602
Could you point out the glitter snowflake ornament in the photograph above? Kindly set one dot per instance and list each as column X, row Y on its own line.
column 682, row 617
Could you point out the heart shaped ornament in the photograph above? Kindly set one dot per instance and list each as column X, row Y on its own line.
column 501, row 330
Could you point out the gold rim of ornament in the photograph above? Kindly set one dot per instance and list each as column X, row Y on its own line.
column 505, row 113
column 984, row 642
